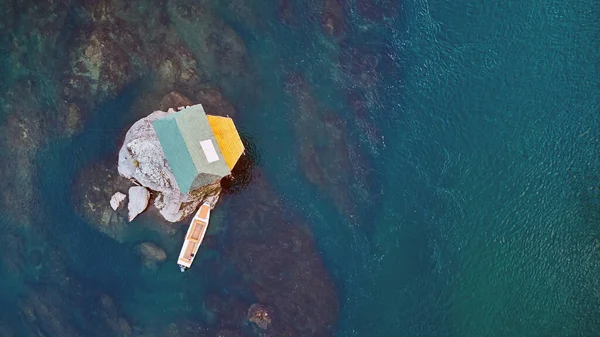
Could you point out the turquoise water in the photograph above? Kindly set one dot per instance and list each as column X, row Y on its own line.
column 442, row 155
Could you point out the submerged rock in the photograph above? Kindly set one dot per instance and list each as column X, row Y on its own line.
column 217, row 48
column 138, row 201
column 99, row 68
column 47, row 311
column 117, row 200
column 91, row 191
column 286, row 13
column 269, row 239
column 334, row 18
column 378, row 10
column 42, row 312
column 229, row 333
column 330, row 157
column 110, row 314
column 212, row 100
column 118, row 45
column 259, row 315
column 20, row 137
column 151, row 254
column 173, row 100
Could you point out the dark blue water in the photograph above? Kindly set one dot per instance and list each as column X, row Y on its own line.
column 441, row 155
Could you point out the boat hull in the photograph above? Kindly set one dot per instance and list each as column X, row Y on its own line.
column 193, row 237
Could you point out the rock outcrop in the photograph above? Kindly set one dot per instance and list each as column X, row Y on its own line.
column 117, row 200
column 138, row 201
column 259, row 315
column 142, row 159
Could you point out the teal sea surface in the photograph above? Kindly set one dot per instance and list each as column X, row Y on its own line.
column 413, row 167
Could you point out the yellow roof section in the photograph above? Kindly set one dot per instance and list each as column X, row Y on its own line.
column 228, row 139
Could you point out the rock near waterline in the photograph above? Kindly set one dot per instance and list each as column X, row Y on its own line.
column 116, row 200
column 138, row 201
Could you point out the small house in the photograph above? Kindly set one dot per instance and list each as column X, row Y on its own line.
column 200, row 149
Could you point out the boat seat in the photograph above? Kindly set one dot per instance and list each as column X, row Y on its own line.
column 203, row 212
column 197, row 229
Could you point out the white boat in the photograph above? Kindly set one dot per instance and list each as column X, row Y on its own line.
column 194, row 237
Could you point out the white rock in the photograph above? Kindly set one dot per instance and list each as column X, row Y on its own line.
column 116, row 200
column 138, row 201
column 141, row 158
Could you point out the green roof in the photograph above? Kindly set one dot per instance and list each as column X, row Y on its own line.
column 191, row 148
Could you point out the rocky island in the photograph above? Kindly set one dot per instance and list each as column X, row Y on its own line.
column 177, row 159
